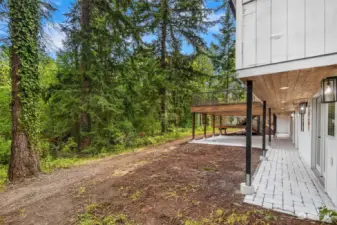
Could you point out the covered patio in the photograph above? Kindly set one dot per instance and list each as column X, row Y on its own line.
column 285, row 183
column 239, row 141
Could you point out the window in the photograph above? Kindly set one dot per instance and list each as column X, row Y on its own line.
column 302, row 122
column 331, row 119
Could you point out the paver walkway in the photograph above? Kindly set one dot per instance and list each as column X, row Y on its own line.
column 286, row 184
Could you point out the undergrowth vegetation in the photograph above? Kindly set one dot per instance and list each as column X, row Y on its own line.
column 91, row 216
column 50, row 163
column 231, row 217
column 108, row 91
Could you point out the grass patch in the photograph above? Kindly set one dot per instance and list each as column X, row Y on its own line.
column 220, row 216
column 92, row 216
column 135, row 196
column 3, row 177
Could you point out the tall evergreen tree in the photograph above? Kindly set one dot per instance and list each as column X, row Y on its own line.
column 224, row 50
column 173, row 21
column 24, row 160
column 85, row 54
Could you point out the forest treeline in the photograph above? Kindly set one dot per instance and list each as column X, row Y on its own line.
column 106, row 89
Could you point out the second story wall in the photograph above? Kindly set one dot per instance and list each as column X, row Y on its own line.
column 273, row 31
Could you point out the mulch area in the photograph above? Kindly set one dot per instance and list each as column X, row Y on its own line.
column 187, row 184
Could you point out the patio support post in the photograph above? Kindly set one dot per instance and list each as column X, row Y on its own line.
column 258, row 124
column 246, row 188
column 205, row 122
column 275, row 120
column 193, row 126
column 264, row 123
column 249, row 132
column 213, row 124
column 220, row 124
column 269, row 112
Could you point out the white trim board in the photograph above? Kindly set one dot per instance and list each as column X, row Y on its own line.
column 325, row 60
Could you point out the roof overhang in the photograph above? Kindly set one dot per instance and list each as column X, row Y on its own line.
column 284, row 91
column 232, row 5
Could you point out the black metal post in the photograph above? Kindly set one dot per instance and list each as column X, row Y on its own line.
column 193, row 125
column 264, row 120
column 274, row 124
column 249, row 132
column 269, row 109
column 213, row 124
column 258, row 124
column 205, row 123
column 220, row 125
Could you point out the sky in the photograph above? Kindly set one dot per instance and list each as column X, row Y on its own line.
column 56, row 36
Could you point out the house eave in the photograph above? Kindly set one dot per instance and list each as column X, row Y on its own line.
column 232, row 5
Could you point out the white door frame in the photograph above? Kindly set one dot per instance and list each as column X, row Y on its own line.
column 315, row 133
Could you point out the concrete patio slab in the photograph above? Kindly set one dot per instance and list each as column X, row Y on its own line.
column 239, row 141
column 283, row 183
column 286, row 184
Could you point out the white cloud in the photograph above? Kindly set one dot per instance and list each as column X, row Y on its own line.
column 55, row 36
column 214, row 17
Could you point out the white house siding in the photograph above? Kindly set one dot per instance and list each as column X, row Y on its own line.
column 331, row 160
column 303, row 141
column 304, row 137
column 273, row 31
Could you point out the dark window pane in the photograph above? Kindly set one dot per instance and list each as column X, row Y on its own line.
column 331, row 119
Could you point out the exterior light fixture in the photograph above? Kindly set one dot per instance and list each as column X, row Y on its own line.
column 329, row 90
column 303, row 108
column 284, row 88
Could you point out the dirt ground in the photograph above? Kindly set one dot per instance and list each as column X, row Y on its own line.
column 174, row 183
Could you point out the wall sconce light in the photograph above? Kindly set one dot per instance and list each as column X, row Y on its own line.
column 329, row 89
column 303, row 108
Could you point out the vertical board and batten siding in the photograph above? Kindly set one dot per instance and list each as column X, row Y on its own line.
column 279, row 30
column 263, row 32
column 249, row 34
column 330, row 25
column 272, row 31
column 314, row 27
column 296, row 30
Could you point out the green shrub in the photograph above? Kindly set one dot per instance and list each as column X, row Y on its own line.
column 5, row 149
column 329, row 215
column 3, row 175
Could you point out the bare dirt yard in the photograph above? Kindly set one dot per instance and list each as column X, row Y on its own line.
column 173, row 183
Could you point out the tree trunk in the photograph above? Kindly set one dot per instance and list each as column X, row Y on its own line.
column 85, row 121
column 24, row 162
column 162, row 91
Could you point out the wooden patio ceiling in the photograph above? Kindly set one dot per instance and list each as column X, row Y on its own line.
column 233, row 109
column 283, row 91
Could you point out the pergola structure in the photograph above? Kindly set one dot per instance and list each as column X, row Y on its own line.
column 234, row 102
